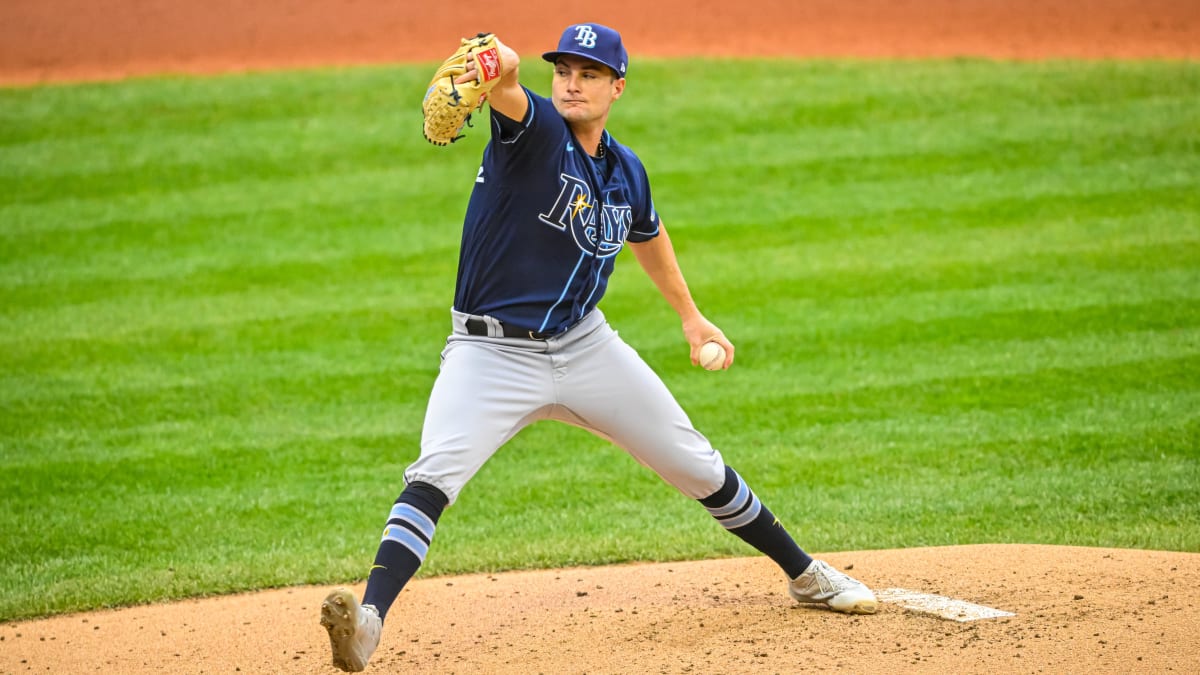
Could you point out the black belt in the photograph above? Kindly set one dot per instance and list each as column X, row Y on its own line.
column 480, row 327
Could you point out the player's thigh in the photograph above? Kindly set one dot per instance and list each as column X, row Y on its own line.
column 482, row 397
column 615, row 394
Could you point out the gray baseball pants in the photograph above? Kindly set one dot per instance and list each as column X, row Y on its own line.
column 489, row 388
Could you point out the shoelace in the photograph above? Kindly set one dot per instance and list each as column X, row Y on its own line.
column 837, row 580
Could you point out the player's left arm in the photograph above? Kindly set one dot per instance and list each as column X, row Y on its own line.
column 657, row 258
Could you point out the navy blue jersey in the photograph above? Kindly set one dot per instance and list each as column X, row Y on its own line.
column 546, row 221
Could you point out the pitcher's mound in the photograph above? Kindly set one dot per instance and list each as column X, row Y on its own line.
column 1073, row 610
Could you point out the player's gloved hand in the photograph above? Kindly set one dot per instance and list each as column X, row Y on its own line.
column 452, row 96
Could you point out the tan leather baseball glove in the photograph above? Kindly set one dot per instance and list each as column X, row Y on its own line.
column 448, row 106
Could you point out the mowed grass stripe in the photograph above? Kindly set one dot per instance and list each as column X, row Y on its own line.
column 245, row 200
column 1127, row 302
column 782, row 195
column 804, row 227
column 837, row 372
column 1171, row 228
column 1012, row 389
column 959, row 137
column 110, row 164
column 1038, row 389
column 969, row 256
column 786, row 450
column 848, row 317
column 165, row 105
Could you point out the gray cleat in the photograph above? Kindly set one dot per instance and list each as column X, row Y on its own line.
column 821, row 584
column 353, row 629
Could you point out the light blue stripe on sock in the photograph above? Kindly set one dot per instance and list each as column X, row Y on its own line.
column 411, row 514
column 736, row 504
column 403, row 536
column 744, row 518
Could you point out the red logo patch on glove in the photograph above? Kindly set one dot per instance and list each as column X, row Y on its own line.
column 489, row 64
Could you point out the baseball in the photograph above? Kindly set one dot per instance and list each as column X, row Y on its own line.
column 712, row 356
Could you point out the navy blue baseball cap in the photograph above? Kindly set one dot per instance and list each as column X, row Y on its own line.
column 595, row 42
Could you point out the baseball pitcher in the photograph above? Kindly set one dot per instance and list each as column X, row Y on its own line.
column 555, row 199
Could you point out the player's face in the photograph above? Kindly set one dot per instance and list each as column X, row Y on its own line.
column 584, row 90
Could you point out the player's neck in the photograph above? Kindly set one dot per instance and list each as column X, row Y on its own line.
column 589, row 136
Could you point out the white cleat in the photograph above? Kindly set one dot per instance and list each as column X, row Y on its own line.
column 822, row 585
column 353, row 629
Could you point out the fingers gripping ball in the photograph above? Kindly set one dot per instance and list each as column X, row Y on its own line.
column 712, row 356
column 448, row 106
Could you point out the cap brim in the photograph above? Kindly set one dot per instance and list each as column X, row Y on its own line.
column 552, row 57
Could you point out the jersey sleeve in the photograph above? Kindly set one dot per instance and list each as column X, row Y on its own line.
column 509, row 132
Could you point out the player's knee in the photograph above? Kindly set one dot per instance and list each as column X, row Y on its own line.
column 725, row 492
column 700, row 480
column 426, row 497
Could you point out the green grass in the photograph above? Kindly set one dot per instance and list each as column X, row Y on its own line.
column 965, row 294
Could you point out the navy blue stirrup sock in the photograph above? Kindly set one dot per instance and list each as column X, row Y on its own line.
column 405, row 542
column 737, row 508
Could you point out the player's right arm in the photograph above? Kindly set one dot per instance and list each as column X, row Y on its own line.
column 657, row 258
column 507, row 98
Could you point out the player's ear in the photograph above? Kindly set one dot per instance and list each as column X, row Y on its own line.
column 618, row 87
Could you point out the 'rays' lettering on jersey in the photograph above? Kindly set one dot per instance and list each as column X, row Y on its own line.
column 575, row 209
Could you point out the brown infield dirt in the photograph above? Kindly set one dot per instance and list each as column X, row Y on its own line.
column 1073, row 609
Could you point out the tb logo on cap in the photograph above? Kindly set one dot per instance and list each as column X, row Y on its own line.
column 585, row 36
